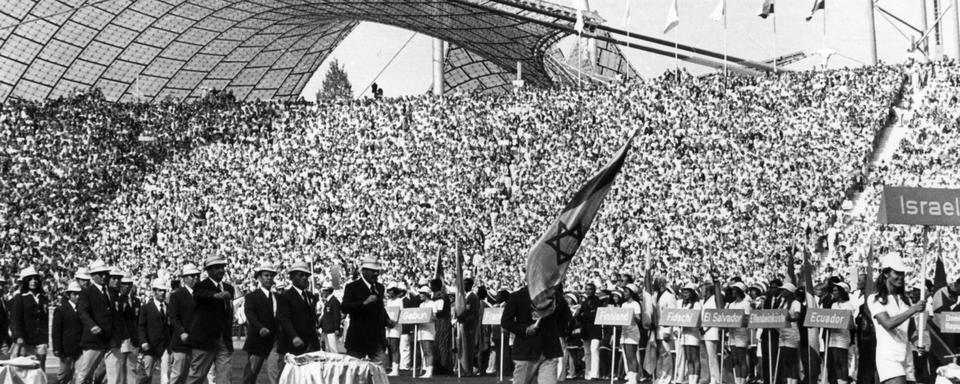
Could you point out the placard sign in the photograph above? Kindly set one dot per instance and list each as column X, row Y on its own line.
column 919, row 206
column 393, row 313
column 949, row 322
column 724, row 318
column 672, row 317
column 768, row 318
column 491, row 316
column 416, row 315
column 614, row 316
column 827, row 318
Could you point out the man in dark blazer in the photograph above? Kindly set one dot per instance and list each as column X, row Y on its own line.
column 363, row 301
column 153, row 330
column 210, row 332
column 98, row 314
column 67, row 330
column 470, row 338
column 260, row 307
column 297, row 314
column 129, row 307
column 180, row 316
column 330, row 319
column 5, row 340
column 537, row 344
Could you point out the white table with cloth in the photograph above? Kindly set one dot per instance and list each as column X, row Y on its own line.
column 330, row 368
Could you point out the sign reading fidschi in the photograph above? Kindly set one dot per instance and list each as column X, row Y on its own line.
column 920, row 206
column 680, row 317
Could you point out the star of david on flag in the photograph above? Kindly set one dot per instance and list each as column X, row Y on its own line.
column 549, row 258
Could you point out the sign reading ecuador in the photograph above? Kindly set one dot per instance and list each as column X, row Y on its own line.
column 828, row 318
column 920, row 206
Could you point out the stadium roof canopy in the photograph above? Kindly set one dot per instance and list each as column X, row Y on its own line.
column 259, row 49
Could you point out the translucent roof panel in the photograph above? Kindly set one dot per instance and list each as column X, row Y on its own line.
column 154, row 49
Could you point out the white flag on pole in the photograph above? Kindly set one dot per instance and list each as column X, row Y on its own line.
column 579, row 25
column 673, row 17
column 626, row 13
column 720, row 12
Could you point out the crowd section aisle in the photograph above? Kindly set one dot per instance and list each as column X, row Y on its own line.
column 730, row 169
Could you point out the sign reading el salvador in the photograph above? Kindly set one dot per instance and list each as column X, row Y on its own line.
column 680, row 317
column 614, row 316
column 949, row 322
column 491, row 316
column 723, row 318
column 827, row 318
column 416, row 316
column 768, row 318
column 920, row 206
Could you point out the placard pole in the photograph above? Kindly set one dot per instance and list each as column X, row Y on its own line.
column 770, row 357
column 613, row 356
column 921, row 327
column 416, row 343
column 826, row 358
column 501, row 354
column 721, row 355
column 776, row 369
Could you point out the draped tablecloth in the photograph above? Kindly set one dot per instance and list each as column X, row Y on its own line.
column 330, row 368
column 22, row 370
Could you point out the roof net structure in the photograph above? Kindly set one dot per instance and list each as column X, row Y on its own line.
column 258, row 49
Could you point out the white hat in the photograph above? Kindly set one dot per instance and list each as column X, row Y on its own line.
column 326, row 285
column 391, row 285
column 160, row 284
column 300, row 266
column 691, row 286
column 894, row 262
column 189, row 269
column 739, row 285
column 98, row 267
column 115, row 271
column 127, row 278
column 28, row 272
column 82, row 274
column 73, row 287
column 424, row 290
column 370, row 262
column 265, row 267
column 844, row 286
column 789, row 287
column 633, row 288
column 213, row 260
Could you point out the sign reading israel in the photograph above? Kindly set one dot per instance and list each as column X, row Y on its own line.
column 768, row 318
column 723, row 318
column 828, row 318
column 614, row 316
column 949, row 322
column 680, row 317
column 920, row 206
column 491, row 316
column 416, row 316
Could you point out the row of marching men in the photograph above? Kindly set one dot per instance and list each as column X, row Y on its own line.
column 102, row 332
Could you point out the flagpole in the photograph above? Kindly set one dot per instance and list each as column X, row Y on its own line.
column 775, row 42
column 724, row 40
column 579, row 66
column 825, row 61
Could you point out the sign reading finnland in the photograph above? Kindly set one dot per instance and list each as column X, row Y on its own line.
column 949, row 322
column 416, row 316
column 680, row 317
column 491, row 316
column 614, row 316
column 920, row 206
column 827, row 318
column 768, row 318
column 723, row 318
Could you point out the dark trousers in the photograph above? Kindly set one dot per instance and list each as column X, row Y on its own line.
column 66, row 369
column 252, row 369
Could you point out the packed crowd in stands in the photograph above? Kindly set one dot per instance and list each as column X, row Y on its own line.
column 732, row 170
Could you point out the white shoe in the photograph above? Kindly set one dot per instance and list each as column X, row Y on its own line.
column 427, row 373
column 395, row 370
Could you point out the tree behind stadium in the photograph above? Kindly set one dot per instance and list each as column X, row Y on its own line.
column 336, row 86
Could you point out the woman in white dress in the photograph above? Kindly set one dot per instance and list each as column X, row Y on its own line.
column 630, row 339
column 690, row 337
column 739, row 338
column 892, row 310
column 427, row 332
column 838, row 346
